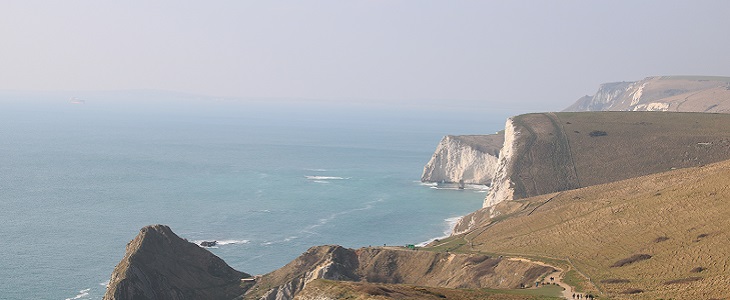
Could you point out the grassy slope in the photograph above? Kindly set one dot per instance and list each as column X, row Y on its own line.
column 680, row 218
column 363, row 290
column 544, row 153
column 558, row 153
column 490, row 143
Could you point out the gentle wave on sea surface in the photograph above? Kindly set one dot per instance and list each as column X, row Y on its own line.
column 325, row 177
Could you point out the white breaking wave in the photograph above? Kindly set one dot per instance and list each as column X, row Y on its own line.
column 105, row 283
column 280, row 242
column 310, row 177
column 229, row 242
column 221, row 242
column 477, row 187
column 82, row 294
column 317, row 170
column 445, row 188
column 450, row 224
column 471, row 187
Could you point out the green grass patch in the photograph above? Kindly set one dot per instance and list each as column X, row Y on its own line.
column 572, row 278
column 448, row 244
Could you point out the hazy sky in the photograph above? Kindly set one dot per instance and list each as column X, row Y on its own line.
column 541, row 54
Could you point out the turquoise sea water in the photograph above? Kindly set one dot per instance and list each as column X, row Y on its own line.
column 268, row 179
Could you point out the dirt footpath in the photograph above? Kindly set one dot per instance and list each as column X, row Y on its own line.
column 568, row 291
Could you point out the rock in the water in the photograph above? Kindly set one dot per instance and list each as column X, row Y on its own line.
column 160, row 265
column 208, row 243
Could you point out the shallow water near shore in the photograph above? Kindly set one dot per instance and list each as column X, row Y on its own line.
column 265, row 180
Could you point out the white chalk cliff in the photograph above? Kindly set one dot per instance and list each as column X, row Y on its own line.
column 501, row 187
column 469, row 159
column 660, row 93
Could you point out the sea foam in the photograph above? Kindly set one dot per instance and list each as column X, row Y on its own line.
column 82, row 294
column 450, row 223
column 311, row 177
column 221, row 242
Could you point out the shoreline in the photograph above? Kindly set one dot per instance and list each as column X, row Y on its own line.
column 450, row 223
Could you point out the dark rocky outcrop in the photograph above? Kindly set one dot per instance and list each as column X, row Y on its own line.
column 208, row 243
column 160, row 265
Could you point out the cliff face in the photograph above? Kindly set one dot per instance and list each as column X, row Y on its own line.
column 665, row 93
column 469, row 159
column 394, row 266
column 553, row 152
column 537, row 159
column 502, row 187
column 160, row 265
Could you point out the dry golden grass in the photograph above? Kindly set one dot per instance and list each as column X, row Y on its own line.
column 556, row 151
column 327, row 289
column 490, row 143
column 681, row 218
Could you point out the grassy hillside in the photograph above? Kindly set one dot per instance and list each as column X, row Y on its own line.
column 395, row 265
column 327, row 289
column 658, row 236
column 490, row 143
column 562, row 151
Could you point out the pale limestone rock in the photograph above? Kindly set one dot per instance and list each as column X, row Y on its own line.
column 470, row 159
column 502, row 188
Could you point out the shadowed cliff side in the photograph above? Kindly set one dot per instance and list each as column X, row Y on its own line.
column 160, row 265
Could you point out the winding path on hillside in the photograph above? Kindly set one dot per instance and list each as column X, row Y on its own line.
column 568, row 290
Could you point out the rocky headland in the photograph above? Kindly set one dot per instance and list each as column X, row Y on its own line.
column 464, row 159
column 660, row 93
column 158, row 264
column 552, row 152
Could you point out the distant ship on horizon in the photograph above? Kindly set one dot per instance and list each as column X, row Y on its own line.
column 75, row 100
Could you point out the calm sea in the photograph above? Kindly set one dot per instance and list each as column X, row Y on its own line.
column 267, row 179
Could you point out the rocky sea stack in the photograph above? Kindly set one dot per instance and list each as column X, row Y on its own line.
column 160, row 265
